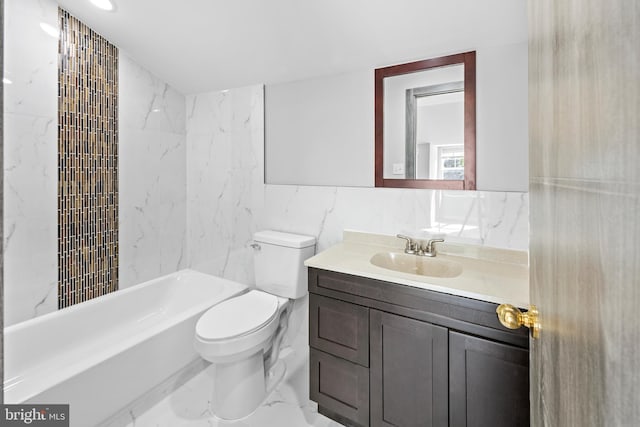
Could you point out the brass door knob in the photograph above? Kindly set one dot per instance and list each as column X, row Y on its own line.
column 511, row 317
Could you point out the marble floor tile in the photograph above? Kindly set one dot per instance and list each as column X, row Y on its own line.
column 189, row 404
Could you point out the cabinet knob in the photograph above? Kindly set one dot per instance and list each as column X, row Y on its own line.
column 511, row 317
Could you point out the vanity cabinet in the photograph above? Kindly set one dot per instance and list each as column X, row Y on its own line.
column 384, row 354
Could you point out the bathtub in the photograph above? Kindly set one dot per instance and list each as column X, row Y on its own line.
column 100, row 355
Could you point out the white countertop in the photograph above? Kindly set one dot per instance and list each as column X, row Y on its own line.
column 489, row 274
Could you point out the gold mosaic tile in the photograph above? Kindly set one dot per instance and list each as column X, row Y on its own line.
column 87, row 163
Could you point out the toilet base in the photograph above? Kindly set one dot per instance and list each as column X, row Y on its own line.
column 238, row 387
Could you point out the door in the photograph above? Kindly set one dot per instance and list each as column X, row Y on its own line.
column 584, row 120
column 408, row 372
column 488, row 383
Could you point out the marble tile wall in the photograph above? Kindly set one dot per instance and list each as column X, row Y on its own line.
column 225, row 174
column 151, row 163
column 494, row 219
column 30, row 163
column 152, row 176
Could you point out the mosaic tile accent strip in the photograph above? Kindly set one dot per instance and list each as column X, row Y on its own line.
column 87, row 163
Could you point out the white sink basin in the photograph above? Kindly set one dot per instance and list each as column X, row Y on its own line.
column 414, row 264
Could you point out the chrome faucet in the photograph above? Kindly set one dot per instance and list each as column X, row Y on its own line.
column 430, row 248
column 418, row 248
column 411, row 246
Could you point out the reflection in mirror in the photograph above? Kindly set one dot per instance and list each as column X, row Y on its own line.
column 434, row 132
column 425, row 124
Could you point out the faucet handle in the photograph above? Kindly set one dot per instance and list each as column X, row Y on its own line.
column 410, row 247
column 431, row 246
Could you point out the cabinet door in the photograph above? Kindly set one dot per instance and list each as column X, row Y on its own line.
column 488, row 383
column 408, row 372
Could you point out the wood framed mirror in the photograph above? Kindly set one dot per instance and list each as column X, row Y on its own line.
column 425, row 124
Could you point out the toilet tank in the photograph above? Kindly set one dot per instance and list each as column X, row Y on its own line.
column 279, row 262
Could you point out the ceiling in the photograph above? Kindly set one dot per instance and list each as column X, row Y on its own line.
column 202, row 45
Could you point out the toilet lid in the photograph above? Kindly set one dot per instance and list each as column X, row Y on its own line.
column 237, row 316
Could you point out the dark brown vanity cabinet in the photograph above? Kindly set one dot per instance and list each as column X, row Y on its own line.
column 384, row 354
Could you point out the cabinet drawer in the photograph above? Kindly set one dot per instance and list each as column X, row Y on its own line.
column 340, row 386
column 339, row 328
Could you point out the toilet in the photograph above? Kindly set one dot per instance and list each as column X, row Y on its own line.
column 241, row 336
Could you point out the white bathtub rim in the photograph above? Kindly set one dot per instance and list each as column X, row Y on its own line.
column 43, row 318
column 20, row 388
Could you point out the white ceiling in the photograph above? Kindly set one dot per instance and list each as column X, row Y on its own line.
column 202, row 45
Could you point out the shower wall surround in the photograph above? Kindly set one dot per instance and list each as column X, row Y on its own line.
column 152, row 176
column 224, row 180
column 151, row 167
column 227, row 199
column 30, row 161
column 87, row 163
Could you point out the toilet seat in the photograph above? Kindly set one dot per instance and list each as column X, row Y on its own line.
column 237, row 316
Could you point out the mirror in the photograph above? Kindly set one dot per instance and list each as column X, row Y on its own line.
column 425, row 124
column 316, row 122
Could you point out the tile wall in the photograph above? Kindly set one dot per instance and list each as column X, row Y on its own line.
column 151, row 160
column 152, row 176
column 87, row 163
column 30, row 160
column 224, row 176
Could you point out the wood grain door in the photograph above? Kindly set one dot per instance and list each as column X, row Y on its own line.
column 584, row 120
